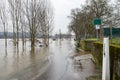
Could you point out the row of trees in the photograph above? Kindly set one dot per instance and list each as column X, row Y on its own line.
column 33, row 16
column 82, row 18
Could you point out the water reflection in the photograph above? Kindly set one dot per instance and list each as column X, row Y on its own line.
column 60, row 44
column 51, row 63
column 6, row 52
column 33, row 61
column 77, row 66
column 16, row 62
column 5, row 62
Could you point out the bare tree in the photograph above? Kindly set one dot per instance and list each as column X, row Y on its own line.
column 101, row 9
column 12, row 12
column 46, row 22
column 15, row 10
column 50, row 20
column 37, row 18
column 73, row 25
column 23, row 28
column 77, row 24
column 82, row 19
column 4, row 19
column 31, row 19
column 17, row 18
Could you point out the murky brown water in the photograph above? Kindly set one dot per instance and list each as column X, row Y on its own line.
column 53, row 63
column 64, row 67
column 14, row 64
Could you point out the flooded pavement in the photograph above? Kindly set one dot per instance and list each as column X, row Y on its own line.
column 66, row 66
column 58, row 62
column 22, row 65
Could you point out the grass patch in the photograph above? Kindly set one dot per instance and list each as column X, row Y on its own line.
column 91, row 39
column 115, row 41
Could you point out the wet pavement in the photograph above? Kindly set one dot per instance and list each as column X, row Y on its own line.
column 68, row 65
column 58, row 62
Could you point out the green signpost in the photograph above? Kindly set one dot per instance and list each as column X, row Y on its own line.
column 97, row 22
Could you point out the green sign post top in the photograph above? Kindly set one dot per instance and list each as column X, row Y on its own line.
column 97, row 21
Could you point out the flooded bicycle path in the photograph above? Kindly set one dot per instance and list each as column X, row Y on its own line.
column 54, row 63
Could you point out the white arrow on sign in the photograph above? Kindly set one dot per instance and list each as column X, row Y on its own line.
column 97, row 26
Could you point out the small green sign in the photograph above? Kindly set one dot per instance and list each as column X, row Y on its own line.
column 97, row 21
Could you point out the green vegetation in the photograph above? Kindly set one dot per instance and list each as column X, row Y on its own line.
column 91, row 39
column 115, row 41
column 114, row 58
column 87, row 44
column 96, row 48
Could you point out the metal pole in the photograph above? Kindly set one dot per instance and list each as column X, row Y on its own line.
column 97, row 33
column 106, row 60
column 97, row 28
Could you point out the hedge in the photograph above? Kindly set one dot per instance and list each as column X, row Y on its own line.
column 114, row 58
column 87, row 44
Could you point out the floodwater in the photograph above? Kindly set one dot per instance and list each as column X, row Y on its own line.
column 54, row 63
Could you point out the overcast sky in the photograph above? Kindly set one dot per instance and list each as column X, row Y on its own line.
column 62, row 9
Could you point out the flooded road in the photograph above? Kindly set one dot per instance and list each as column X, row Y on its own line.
column 65, row 66
column 58, row 62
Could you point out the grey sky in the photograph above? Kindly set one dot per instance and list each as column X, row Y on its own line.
column 62, row 10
